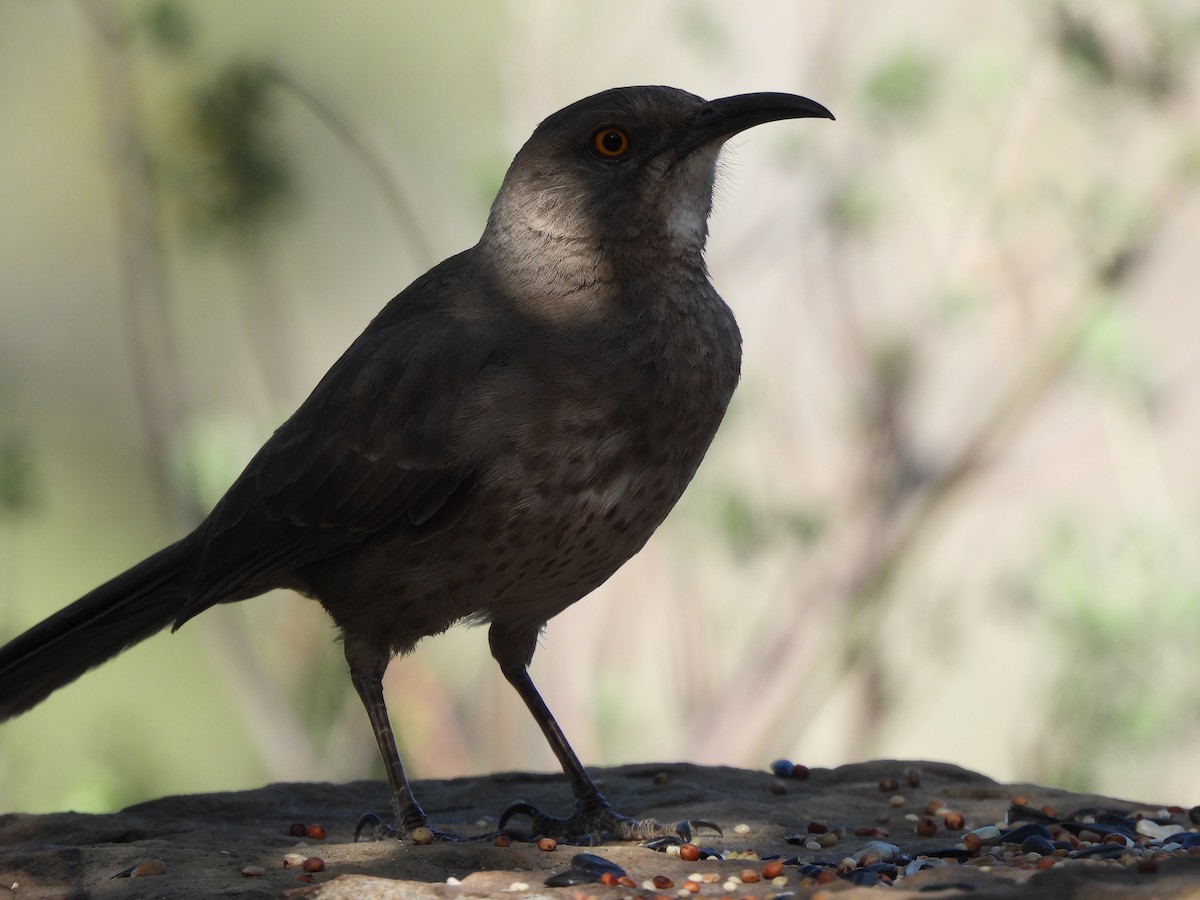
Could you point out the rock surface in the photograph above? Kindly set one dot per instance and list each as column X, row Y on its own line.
column 204, row 842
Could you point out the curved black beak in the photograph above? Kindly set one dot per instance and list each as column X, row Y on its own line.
column 719, row 120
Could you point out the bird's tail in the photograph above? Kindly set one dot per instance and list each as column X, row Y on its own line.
column 97, row 626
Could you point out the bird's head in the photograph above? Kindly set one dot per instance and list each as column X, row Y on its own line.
column 629, row 168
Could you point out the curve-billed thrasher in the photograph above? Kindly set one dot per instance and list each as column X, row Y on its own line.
column 506, row 433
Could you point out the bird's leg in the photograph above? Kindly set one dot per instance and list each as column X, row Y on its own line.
column 408, row 815
column 592, row 817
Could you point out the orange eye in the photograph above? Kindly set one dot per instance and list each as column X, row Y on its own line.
column 611, row 142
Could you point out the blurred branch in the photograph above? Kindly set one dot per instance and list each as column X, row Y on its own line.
column 156, row 381
column 402, row 210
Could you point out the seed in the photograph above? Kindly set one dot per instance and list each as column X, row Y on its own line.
column 913, row 777
column 888, row 784
column 777, row 788
column 826, row 876
column 800, row 771
column 298, row 829
column 306, row 877
column 741, row 828
column 896, row 800
column 662, row 882
column 662, row 778
column 954, row 821
column 315, row 832
column 783, row 768
column 829, row 838
column 817, row 827
column 254, row 871
column 421, row 835
column 502, row 840
column 972, row 842
column 1045, row 862
column 314, row 864
column 689, row 852
column 608, row 878
column 934, row 806
column 626, row 881
column 291, row 860
column 1048, row 810
column 691, row 887
column 927, row 827
column 547, row 844
column 148, row 868
column 772, row 869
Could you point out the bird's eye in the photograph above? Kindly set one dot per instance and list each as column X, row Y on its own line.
column 611, row 142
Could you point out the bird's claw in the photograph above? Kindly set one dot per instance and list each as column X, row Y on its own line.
column 684, row 833
column 590, row 822
column 382, row 831
column 379, row 830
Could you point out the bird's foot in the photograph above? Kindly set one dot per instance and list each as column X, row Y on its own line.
column 372, row 828
column 593, row 820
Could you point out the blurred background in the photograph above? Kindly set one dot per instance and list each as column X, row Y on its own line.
column 954, row 511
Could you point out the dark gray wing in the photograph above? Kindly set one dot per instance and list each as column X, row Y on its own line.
column 375, row 446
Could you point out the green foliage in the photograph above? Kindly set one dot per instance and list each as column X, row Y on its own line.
column 1152, row 67
column 749, row 529
column 1124, row 609
column 902, row 86
column 18, row 493
column 247, row 175
column 854, row 205
column 1084, row 49
column 169, row 26
column 1110, row 352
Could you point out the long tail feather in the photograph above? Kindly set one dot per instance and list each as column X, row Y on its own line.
column 118, row 614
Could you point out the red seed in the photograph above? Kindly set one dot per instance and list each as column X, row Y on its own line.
column 773, row 869
column 913, row 777
column 1020, row 800
column 315, row 832
column 547, row 844
column 626, row 881
column 826, row 876
column 689, row 852
column 502, row 840
column 609, row 878
column 1048, row 810
column 748, row 876
column 1045, row 862
column 148, row 868
column 954, row 821
column 801, row 772
column 888, row 784
column 926, row 827
column 816, row 827
column 314, row 864
column 298, row 829
column 972, row 842
column 662, row 882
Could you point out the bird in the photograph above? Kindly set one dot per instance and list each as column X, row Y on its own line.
column 505, row 434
